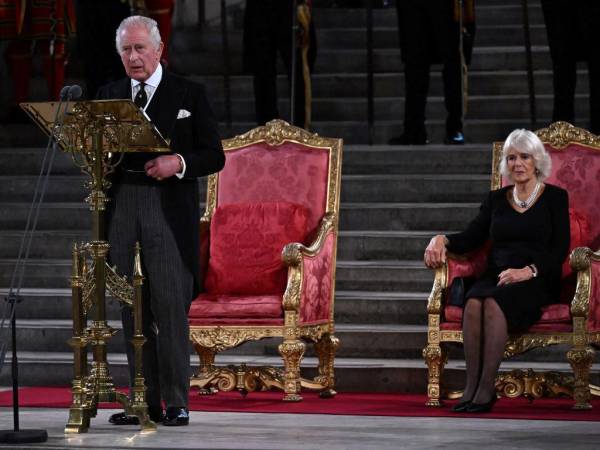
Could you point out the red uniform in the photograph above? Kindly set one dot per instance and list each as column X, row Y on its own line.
column 41, row 24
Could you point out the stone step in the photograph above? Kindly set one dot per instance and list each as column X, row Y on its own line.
column 417, row 159
column 366, row 245
column 486, row 14
column 357, row 160
column 392, row 84
column 382, row 275
column 361, row 188
column 366, row 307
column 353, row 132
column 373, row 340
column 484, row 107
column 383, row 375
column 28, row 161
column 350, row 306
column 353, row 216
column 352, row 245
column 406, row 216
column 358, row 341
column 345, row 37
column 357, row 132
column 335, row 61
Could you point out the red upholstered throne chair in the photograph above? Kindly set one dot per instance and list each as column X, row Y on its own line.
column 575, row 321
column 269, row 239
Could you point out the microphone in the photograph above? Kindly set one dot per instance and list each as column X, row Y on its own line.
column 63, row 93
column 74, row 92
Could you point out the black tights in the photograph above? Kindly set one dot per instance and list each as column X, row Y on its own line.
column 484, row 337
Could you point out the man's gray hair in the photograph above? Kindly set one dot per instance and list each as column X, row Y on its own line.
column 139, row 22
column 524, row 141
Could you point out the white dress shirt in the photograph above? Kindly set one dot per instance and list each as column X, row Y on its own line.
column 150, row 87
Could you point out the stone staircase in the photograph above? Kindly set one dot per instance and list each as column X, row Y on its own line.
column 393, row 198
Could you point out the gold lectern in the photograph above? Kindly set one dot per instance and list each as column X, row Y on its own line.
column 96, row 134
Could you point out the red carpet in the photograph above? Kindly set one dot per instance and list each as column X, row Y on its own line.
column 356, row 404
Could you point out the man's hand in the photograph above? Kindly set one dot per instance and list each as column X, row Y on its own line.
column 509, row 276
column 435, row 253
column 163, row 167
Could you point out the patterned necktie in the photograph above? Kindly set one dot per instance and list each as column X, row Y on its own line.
column 141, row 98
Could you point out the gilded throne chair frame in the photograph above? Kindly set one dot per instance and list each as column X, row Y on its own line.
column 210, row 336
column 575, row 324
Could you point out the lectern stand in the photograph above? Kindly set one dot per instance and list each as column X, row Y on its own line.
column 96, row 134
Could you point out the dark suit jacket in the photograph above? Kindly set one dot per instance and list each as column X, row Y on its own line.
column 195, row 138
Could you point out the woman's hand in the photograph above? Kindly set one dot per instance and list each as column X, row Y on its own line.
column 435, row 253
column 509, row 276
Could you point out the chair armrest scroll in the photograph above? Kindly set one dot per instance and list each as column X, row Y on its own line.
column 586, row 301
column 469, row 265
column 311, row 267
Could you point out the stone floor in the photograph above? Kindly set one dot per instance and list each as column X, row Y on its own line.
column 295, row 431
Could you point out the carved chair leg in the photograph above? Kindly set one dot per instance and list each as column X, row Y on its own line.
column 581, row 359
column 292, row 351
column 435, row 357
column 206, row 371
column 325, row 349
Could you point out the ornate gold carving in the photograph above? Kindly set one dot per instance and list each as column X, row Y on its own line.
column 434, row 303
column 561, row 134
column 534, row 385
column 325, row 350
column 518, row 344
column 222, row 338
column 118, row 286
column 276, row 132
column 436, row 358
column 496, row 159
column 581, row 358
column 292, row 352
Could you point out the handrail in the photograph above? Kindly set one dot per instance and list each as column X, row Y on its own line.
column 529, row 61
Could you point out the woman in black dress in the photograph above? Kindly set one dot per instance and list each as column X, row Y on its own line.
column 528, row 225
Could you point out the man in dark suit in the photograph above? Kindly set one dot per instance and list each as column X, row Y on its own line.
column 430, row 32
column 268, row 31
column 155, row 200
column 572, row 36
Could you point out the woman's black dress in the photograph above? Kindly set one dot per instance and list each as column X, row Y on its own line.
column 539, row 236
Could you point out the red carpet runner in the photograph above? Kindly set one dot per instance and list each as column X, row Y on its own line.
column 355, row 404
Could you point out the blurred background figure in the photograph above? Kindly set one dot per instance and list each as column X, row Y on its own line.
column 97, row 24
column 430, row 32
column 162, row 12
column 268, row 31
column 32, row 26
column 572, row 36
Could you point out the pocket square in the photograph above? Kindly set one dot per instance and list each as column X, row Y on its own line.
column 183, row 113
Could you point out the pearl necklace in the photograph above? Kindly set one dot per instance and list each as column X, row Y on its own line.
column 526, row 203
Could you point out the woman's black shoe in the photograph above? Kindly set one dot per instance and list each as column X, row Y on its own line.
column 481, row 408
column 461, row 406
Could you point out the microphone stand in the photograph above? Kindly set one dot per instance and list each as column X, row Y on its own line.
column 18, row 435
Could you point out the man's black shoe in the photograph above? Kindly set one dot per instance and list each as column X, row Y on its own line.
column 176, row 417
column 455, row 138
column 409, row 139
column 123, row 419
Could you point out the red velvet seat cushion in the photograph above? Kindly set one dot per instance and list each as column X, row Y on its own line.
column 246, row 241
column 235, row 306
